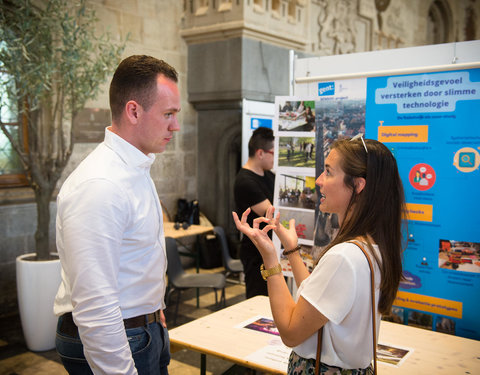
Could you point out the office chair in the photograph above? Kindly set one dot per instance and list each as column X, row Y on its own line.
column 232, row 266
column 179, row 280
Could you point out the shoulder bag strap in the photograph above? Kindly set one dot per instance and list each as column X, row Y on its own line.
column 319, row 352
column 374, row 328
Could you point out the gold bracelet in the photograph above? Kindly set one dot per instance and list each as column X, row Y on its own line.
column 286, row 252
column 271, row 271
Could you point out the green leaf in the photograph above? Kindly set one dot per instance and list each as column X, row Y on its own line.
column 54, row 62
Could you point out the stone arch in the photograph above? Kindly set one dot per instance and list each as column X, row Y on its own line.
column 439, row 23
column 470, row 22
column 229, row 163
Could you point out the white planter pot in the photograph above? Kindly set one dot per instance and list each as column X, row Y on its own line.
column 37, row 285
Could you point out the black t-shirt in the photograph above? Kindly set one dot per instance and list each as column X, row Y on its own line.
column 251, row 189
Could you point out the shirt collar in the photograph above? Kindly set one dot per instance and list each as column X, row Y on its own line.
column 131, row 155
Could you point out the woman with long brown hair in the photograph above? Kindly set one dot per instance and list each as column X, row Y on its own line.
column 360, row 184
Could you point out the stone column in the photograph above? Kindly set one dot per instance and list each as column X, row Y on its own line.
column 236, row 50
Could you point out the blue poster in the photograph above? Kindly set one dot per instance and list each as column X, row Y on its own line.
column 431, row 123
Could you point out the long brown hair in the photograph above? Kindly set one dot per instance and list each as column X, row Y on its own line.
column 378, row 209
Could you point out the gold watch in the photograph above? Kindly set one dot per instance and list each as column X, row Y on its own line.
column 271, row 271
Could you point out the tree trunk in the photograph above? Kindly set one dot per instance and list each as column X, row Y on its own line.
column 42, row 239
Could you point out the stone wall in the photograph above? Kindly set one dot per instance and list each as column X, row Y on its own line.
column 17, row 237
column 153, row 29
column 330, row 27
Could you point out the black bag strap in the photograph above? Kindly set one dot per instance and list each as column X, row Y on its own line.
column 374, row 327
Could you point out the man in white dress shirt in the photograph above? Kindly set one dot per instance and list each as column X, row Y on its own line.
column 110, row 233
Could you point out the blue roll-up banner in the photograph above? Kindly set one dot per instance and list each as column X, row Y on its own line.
column 431, row 123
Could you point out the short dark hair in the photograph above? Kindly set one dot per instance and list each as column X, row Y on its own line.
column 136, row 79
column 261, row 139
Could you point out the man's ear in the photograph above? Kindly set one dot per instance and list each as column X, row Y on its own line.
column 359, row 184
column 132, row 110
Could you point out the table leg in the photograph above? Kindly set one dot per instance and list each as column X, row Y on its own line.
column 197, row 262
column 203, row 364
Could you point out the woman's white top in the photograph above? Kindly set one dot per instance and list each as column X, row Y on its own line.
column 339, row 287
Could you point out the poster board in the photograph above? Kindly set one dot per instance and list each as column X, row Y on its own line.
column 255, row 114
column 429, row 120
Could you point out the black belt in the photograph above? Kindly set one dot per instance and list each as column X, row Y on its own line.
column 69, row 327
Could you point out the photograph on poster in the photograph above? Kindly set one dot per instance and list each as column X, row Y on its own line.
column 340, row 119
column 309, row 255
column 296, row 152
column 296, row 191
column 298, row 116
column 445, row 325
column 420, row 320
column 326, row 228
column 459, row 255
column 304, row 222
column 396, row 315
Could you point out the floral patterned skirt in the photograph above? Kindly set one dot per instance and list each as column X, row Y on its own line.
column 306, row 366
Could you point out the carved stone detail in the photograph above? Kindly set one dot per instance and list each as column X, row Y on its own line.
column 337, row 29
column 280, row 22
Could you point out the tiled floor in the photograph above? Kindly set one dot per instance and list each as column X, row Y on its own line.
column 16, row 359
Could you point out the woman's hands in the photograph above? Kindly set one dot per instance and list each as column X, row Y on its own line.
column 260, row 238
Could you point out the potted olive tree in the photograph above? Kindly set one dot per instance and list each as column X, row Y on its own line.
column 51, row 62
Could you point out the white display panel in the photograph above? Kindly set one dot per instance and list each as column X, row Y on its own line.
column 254, row 114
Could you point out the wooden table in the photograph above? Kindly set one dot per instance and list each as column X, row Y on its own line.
column 433, row 352
column 192, row 230
column 215, row 334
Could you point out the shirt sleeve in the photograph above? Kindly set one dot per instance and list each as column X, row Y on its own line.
column 93, row 220
column 331, row 287
column 247, row 193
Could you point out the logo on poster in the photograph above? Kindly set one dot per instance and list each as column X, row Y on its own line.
column 466, row 160
column 422, row 176
column 326, row 88
column 256, row 122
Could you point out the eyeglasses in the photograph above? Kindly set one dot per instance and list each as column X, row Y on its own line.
column 269, row 152
column 360, row 135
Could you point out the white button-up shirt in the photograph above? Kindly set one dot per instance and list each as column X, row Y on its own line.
column 112, row 250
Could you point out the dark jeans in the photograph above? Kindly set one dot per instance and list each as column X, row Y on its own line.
column 150, row 348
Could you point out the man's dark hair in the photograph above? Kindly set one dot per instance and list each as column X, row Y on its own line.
column 261, row 139
column 136, row 79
